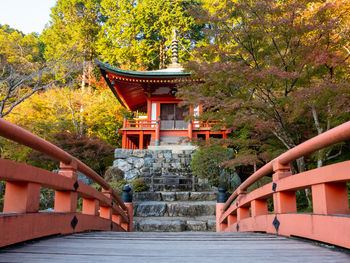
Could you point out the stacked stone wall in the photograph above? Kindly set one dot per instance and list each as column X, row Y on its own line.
column 154, row 163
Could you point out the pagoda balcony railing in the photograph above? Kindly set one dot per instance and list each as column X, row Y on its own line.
column 207, row 125
column 152, row 125
column 140, row 124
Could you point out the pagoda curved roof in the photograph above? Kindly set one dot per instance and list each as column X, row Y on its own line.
column 154, row 74
column 130, row 87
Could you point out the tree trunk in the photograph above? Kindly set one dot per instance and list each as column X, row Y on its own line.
column 162, row 54
column 83, row 83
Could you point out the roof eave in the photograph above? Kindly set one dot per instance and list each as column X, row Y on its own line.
column 140, row 74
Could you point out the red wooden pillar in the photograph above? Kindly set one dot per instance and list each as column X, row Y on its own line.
column 158, row 132
column 124, row 122
column 124, row 140
column 190, row 130
column 141, row 140
column 149, row 109
column 157, row 109
column 207, row 136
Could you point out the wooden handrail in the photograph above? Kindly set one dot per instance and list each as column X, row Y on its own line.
column 329, row 222
column 100, row 210
column 24, row 137
column 328, row 138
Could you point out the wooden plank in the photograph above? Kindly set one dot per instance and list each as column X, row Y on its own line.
column 171, row 247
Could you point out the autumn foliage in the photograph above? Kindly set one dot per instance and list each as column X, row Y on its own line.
column 277, row 72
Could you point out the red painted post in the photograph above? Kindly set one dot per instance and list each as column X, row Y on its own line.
column 222, row 198
column 141, row 141
column 130, row 208
column 66, row 201
column 158, row 132
column 258, row 207
column 124, row 122
column 242, row 212
column 127, row 199
column 330, row 198
column 219, row 212
column 106, row 211
column 207, row 136
column 90, row 206
column 149, row 109
column 124, row 140
column 117, row 219
column 283, row 202
column 190, row 130
column 22, row 197
column 231, row 219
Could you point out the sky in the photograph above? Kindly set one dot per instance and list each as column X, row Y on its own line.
column 26, row 15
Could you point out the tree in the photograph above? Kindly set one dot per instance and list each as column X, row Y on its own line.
column 23, row 71
column 268, row 66
column 136, row 33
column 72, row 34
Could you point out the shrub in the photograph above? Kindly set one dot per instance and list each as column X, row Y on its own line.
column 117, row 186
column 139, row 185
column 114, row 173
column 206, row 163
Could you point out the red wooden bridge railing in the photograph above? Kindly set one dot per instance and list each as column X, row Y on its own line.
column 330, row 220
column 21, row 219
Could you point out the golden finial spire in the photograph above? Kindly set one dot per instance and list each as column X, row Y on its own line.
column 175, row 51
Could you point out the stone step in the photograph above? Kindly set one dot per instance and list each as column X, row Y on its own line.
column 168, row 180
column 174, row 209
column 180, row 187
column 174, row 224
column 175, row 196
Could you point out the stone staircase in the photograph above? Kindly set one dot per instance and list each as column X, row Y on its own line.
column 174, row 211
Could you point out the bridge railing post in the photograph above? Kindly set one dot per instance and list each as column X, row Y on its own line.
column 66, row 201
column 330, row 198
column 90, row 206
column 242, row 212
column 127, row 199
column 258, row 207
column 283, row 202
column 22, row 197
column 106, row 211
column 222, row 198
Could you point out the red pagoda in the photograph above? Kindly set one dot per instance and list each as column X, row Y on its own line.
column 154, row 93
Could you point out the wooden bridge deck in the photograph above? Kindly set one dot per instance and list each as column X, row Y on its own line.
column 170, row 247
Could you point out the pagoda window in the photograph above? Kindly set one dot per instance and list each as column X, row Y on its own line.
column 173, row 117
column 154, row 112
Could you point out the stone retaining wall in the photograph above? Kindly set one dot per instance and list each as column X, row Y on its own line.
column 157, row 163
